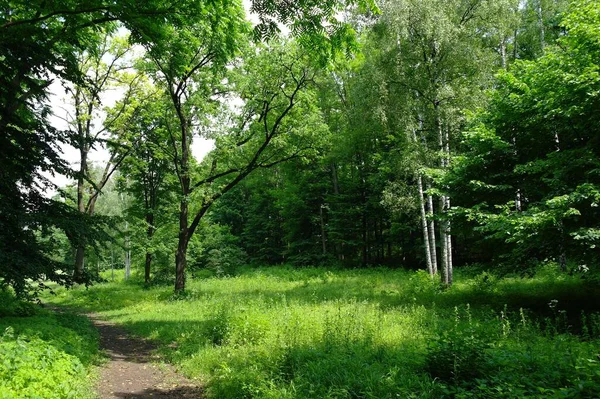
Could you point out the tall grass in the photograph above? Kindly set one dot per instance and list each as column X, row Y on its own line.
column 317, row 333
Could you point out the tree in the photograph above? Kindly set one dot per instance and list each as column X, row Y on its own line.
column 438, row 65
column 538, row 137
column 147, row 175
column 101, row 67
column 39, row 42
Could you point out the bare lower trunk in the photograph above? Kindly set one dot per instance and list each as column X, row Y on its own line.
column 323, row 236
column 127, row 264
column 449, row 266
column 444, row 223
column 149, row 235
column 424, row 226
column 540, row 15
column 147, row 268
column 503, row 52
column 78, row 273
column 180, row 265
column 432, row 247
column 562, row 257
column 181, row 254
column 444, row 243
column 127, row 253
column 449, row 246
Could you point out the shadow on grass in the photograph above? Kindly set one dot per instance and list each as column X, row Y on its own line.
column 572, row 295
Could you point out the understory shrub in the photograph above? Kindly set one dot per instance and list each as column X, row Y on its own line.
column 44, row 354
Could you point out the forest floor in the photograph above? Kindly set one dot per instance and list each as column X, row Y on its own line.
column 133, row 369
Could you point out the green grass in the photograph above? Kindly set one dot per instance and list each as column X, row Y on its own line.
column 316, row 333
column 44, row 354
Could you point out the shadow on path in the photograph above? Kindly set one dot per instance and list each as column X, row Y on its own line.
column 132, row 371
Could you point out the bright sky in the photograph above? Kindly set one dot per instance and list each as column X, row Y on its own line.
column 61, row 108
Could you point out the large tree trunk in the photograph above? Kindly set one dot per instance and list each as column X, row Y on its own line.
column 181, row 254
column 78, row 273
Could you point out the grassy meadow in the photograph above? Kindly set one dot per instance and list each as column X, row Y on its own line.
column 280, row 332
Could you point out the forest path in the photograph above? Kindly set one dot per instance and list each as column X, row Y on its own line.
column 132, row 371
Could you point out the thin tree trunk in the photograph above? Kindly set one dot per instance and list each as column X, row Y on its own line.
column 562, row 257
column 503, row 52
column 127, row 264
column 540, row 15
column 429, row 253
column 149, row 235
column 431, row 229
column 112, row 263
column 442, row 201
column 515, row 44
column 127, row 252
column 447, row 221
column 444, row 243
column 449, row 246
column 424, row 226
column 323, row 236
column 336, row 191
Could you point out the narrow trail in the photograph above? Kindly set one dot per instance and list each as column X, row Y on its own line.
column 132, row 371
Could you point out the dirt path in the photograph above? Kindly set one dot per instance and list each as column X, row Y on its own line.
column 132, row 371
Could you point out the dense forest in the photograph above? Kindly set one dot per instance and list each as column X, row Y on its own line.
column 397, row 135
column 414, row 135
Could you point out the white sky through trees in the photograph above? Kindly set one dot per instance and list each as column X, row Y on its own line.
column 61, row 107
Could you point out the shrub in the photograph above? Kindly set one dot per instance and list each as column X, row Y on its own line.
column 32, row 368
column 459, row 353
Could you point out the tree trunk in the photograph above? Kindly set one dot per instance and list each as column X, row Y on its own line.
column 78, row 273
column 540, row 14
column 431, row 222
column 562, row 256
column 443, row 243
column 503, row 52
column 149, row 235
column 449, row 246
column 181, row 254
column 323, row 236
column 147, row 268
column 443, row 225
column 127, row 253
column 127, row 264
column 424, row 226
